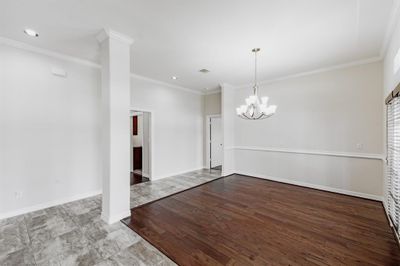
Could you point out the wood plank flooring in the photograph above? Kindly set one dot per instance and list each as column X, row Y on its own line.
column 239, row 220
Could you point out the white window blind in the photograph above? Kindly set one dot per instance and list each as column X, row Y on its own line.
column 393, row 171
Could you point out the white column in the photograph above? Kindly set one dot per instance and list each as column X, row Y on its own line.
column 228, row 122
column 115, row 94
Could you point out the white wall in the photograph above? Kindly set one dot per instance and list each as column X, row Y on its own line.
column 339, row 111
column 49, row 130
column 391, row 79
column 177, row 125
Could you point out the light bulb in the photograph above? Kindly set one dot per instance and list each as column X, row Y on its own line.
column 253, row 99
column 264, row 100
column 263, row 108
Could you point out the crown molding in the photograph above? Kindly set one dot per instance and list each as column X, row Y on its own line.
column 210, row 92
column 315, row 71
column 57, row 55
column 169, row 85
column 111, row 34
column 394, row 17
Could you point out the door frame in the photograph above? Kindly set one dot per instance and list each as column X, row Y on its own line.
column 208, row 140
column 151, row 142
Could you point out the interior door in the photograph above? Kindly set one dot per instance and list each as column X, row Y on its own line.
column 216, row 142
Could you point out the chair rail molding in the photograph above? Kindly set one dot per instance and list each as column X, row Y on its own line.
column 369, row 156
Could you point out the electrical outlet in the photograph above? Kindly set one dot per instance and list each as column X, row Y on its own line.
column 360, row 146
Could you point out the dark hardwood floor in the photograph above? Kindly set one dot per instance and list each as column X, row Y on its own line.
column 137, row 179
column 239, row 220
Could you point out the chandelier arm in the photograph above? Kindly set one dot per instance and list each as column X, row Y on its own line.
column 246, row 116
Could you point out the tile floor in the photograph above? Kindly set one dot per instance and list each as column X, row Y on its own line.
column 74, row 234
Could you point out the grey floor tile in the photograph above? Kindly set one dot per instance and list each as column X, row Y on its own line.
column 21, row 257
column 74, row 234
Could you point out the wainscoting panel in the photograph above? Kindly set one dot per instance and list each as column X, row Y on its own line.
column 352, row 174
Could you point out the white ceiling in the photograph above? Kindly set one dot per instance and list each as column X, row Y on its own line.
column 180, row 37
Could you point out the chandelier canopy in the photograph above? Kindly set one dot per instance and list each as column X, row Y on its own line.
column 255, row 108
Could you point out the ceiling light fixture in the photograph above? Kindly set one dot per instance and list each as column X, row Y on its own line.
column 255, row 109
column 174, row 78
column 31, row 33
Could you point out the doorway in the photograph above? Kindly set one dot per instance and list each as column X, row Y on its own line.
column 215, row 140
column 140, row 146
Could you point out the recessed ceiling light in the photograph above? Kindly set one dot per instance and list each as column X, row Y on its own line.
column 174, row 78
column 206, row 89
column 204, row 71
column 31, row 33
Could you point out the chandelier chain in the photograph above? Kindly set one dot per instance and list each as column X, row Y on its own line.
column 255, row 72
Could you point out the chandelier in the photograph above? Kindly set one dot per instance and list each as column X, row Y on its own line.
column 255, row 108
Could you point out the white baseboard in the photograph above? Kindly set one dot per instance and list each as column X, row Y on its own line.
column 153, row 178
column 145, row 175
column 49, row 204
column 111, row 219
column 315, row 186
column 226, row 173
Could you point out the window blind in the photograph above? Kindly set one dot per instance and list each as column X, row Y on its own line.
column 393, row 153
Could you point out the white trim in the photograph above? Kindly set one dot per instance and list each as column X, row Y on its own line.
column 315, row 186
column 109, row 33
column 166, row 84
column 116, row 217
column 208, row 142
column 210, row 92
column 152, row 127
column 34, row 49
column 57, row 55
column 315, row 71
column 309, row 152
column 145, row 175
column 394, row 16
column 49, row 204
column 177, row 173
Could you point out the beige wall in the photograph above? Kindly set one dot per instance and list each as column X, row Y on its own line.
column 212, row 104
column 335, row 112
